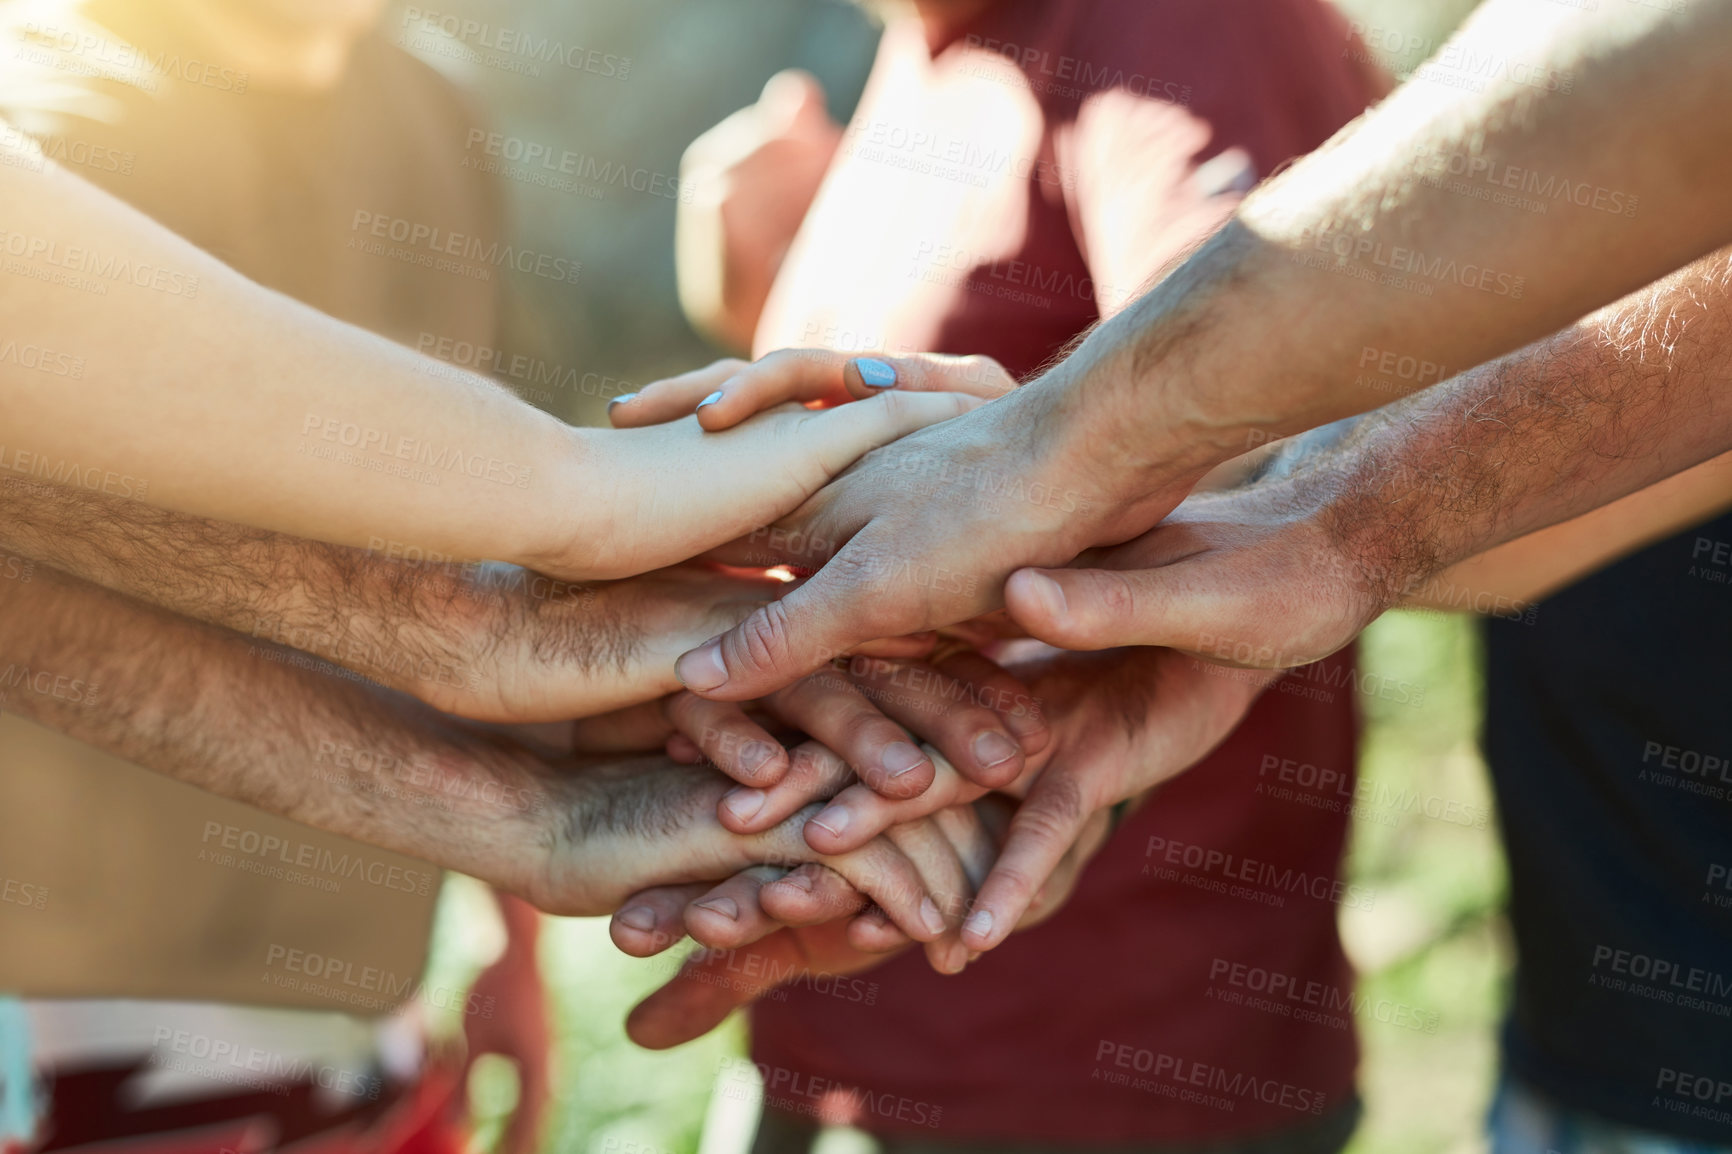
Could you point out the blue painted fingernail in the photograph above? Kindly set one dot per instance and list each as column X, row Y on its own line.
column 622, row 399
column 711, row 399
column 875, row 373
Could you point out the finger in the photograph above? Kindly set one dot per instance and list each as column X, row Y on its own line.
column 830, row 707
column 1042, row 831
column 873, row 933
column 945, row 880
column 654, row 919
column 729, row 915
column 823, row 377
column 856, row 815
column 943, row 711
column 670, row 399
column 1109, row 608
column 997, row 689
column 810, row 896
column 804, row 376
column 815, row 774
column 708, row 988
column 737, row 745
column 879, row 870
column 827, row 616
column 976, row 376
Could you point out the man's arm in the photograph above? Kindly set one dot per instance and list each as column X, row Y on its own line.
column 246, row 721
column 1508, row 578
column 490, row 642
column 1288, row 570
column 1371, row 244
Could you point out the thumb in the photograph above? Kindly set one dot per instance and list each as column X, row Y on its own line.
column 1108, row 608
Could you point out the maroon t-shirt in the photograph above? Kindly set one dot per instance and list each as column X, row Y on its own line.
column 999, row 194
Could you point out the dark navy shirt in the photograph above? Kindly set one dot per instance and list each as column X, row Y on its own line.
column 1609, row 733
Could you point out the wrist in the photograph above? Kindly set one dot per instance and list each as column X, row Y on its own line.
column 1180, row 381
column 556, row 525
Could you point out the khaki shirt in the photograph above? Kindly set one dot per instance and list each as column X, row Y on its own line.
column 114, row 881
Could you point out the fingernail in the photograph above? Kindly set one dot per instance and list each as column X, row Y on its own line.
column 755, row 755
column 640, row 918
column 899, row 757
column 930, row 917
column 992, row 749
column 1050, row 594
column 702, row 669
column 979, row 925
column 875, row 373
column 800, row 880
column 973, row 956
column 711, row 399
column 956, row 959
column 744, row 804
column 833, row 821
column 723, row 906
column 623, row 398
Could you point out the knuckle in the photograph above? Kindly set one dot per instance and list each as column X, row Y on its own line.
column 761, row 643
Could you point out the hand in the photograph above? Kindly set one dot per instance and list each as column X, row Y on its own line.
column 923, row 533
column 490, row 642
column 817, row 378
column 1259, row 576
column 751, row 179
column 1121, row 721
column 530, row 649
column 622, row 826
column 951, row 849
column 793, row 929
column 676, row 490
column 874, row 719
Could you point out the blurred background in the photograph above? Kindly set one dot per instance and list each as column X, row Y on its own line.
column 1434, row 939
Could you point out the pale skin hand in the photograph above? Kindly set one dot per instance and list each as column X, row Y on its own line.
column 573, row 835
column 1290, row 570
column 491, row 643
column 1261, row 332
column 228, row 401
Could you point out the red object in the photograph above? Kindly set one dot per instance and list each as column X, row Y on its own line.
column 87, row 1116
column 993, row 194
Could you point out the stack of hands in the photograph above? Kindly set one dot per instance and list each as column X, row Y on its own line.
column 941, row 788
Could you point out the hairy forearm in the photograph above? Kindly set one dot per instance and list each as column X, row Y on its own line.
column 1375, row 243
column 1627, row 398
column 471, row 639
column 248, row 721
column 1513, row 575
column 223, row 399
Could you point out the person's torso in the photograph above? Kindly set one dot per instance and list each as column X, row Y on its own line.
column 139, row 886
column 1609, row 734
column 947, row 223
